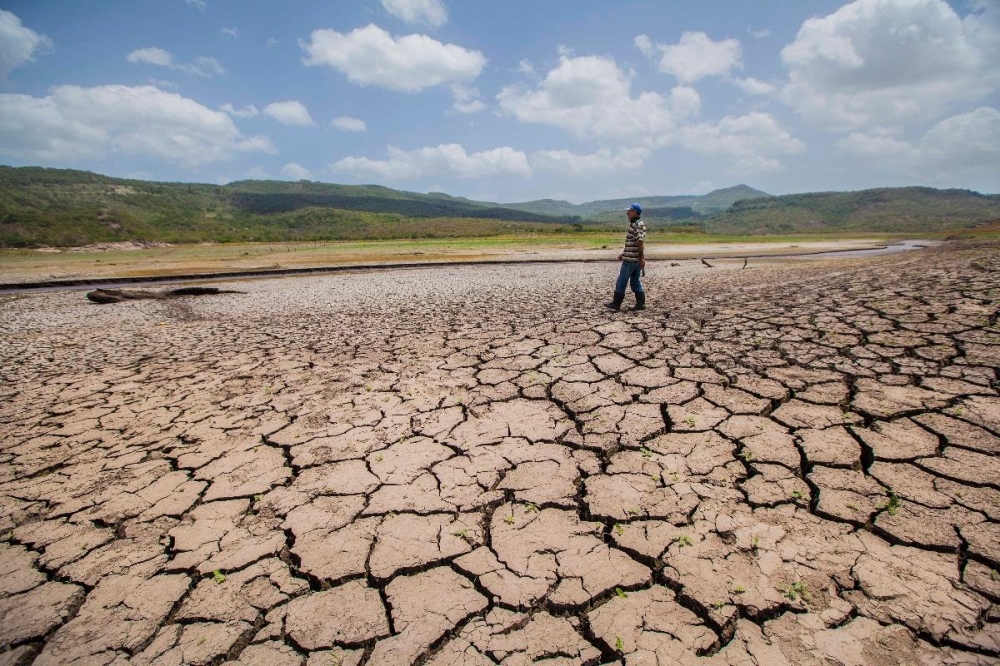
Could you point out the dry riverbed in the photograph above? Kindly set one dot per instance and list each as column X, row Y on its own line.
column 793, row 463
column 125, row 260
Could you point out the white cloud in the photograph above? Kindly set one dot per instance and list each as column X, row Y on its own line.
column 644, row 44
column 876, row 146
column 230, row 32
column 295, row 171
column 205, row 66
column 755, row 165
column 753, row 140
column 697, row 56
column 962, row 148
column 466, row 99
column 972, row 138
column 349, row 124
column 425, row 12
column 271, row 41
column 162, row 83
column 590, row 97
column 752, row 86
column 443, row 160
column 888, row 62
column 289, row 113
column 202, row 65
column 18, row 44
column 74, row 123
column 525, row 67
column 371, row 56
column 248, row 111
column 598, row 163
column 763, row 33
column 151, row 56
column 197, row 4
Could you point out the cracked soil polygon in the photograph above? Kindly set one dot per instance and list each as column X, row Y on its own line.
column 796, row 463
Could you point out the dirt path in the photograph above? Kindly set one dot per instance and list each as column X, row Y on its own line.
column 790, row 464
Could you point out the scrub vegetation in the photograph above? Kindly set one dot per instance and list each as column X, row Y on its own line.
column 66, row 208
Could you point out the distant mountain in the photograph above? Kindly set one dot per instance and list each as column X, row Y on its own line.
column 705, row 204
column 64, row 207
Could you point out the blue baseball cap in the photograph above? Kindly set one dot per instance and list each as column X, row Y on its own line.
column 636, row 207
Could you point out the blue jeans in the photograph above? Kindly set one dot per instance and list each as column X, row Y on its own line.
column 629, row 274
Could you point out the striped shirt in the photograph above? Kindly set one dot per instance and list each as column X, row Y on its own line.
column 636, row 234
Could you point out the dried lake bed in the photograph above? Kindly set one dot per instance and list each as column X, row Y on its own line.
column 793, row 463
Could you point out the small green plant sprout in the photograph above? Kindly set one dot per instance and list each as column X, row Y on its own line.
column 683, row 540
column 852, row 506
column 368, row 389
column 258, row 497
column 690, row 422
column 632, row 511
column 646, row 453
column 378, row 458
column 795, row 590
column 755, row 544
column 892, row 505
column 462, row 533
column 336, row 660
column 746, row 455
column 619, row 529
column 622, row 594
column 957, row 411
column 509, row 519
column 218, row 577
column 656, row 478
column 531, row 507
column 619, row 646
column 675, row 477
column 798, row 495
column 739, row 589
column 717, row 605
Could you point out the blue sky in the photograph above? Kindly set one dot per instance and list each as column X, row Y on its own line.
column 509, row 101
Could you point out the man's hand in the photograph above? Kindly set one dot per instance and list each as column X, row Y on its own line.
column 620, row 257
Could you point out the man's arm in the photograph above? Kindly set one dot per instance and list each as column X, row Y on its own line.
column 642, row 253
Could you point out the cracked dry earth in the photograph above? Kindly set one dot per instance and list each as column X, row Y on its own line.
column 788, row 464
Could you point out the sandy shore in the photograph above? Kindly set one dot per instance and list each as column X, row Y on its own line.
column 792, row 463
column 19, row 267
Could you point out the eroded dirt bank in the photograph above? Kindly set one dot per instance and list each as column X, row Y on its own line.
column 788, row 464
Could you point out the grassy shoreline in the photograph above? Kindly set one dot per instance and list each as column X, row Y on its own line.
column 21, row 264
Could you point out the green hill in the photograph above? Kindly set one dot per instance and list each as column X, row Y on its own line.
column 609, row 209
column 902, row 209
column 65, row 207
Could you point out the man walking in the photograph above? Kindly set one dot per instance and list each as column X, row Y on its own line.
column 633, row 261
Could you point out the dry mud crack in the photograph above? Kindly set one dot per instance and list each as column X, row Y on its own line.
column 788, row 464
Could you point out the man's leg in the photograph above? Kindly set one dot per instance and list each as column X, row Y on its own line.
column 637, row 288
column 623, row 278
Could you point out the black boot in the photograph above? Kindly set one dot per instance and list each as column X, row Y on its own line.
column 640, row 301
column 616, row 302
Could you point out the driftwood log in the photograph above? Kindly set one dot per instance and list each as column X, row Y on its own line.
column 119, row 295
